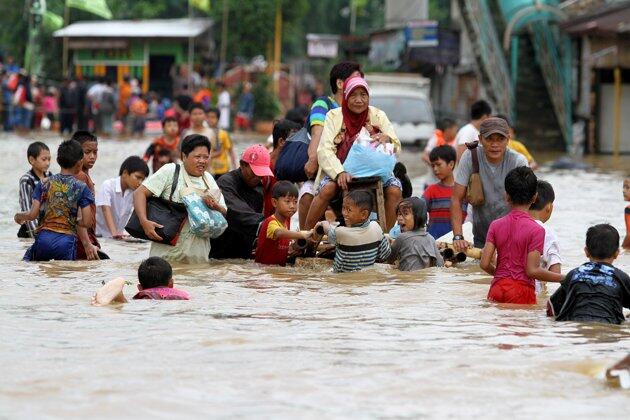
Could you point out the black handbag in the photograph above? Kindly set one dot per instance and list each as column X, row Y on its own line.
column 167, row 213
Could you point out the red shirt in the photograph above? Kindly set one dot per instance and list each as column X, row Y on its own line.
column 515, row 235
column 272, row 251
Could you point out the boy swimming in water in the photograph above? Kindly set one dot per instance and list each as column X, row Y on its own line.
column 518, row 241
column 155, row 276
column 596, row 291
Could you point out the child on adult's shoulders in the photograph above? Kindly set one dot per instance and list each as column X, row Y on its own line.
column 518, row 243
column 361, row 242
column 414, row 247
column 155, row 276
column 626, row 197
column 275, row 234
column 64, row 198
column 114, row 200
column 438, row 196
column 596, row 291
column 541, row 211
column 38, row 155
column 164, row 149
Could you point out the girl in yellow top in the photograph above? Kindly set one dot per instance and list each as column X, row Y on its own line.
column 341, row 128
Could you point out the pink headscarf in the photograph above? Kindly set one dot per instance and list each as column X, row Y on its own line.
column 353, row 122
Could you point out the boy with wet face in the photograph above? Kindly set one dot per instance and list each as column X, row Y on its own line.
column 414, row 247
column 275, row 232
column 361, row 242
column 89, row 143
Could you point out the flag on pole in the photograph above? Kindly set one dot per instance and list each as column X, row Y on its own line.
column 203, row 5
column 52, row 21
column 97, row 7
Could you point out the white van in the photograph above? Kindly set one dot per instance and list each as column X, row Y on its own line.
column 404, row 99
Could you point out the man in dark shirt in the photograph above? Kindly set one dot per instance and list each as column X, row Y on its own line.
column 243, row 193
column 595, row 291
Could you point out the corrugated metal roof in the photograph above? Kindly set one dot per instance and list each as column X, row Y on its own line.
column 156, row 28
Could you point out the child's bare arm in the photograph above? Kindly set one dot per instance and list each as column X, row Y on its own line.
column 534, row 270
column 556, row 268
column 290, row 234
column 109, row 221
column 86, row 217
column 487, row 258
column 26, row 216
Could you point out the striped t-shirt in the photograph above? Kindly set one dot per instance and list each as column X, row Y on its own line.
column 358, row 247
column 438, row 199
column 319, row 109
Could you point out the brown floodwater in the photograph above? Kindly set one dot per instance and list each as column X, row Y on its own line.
column 300, row 342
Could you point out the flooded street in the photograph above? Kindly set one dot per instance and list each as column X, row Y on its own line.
column 287, row 342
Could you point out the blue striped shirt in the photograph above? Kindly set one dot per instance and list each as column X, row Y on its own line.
column 359, row 246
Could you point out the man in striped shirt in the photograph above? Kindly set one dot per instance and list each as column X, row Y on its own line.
column 361, row 242
column 38, row 156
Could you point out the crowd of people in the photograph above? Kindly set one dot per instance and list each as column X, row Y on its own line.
column 108, row 107
column 200, row 202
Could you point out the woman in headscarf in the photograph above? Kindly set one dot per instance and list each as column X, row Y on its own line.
column 341, row 128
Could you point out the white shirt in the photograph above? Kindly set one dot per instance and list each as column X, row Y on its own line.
column 467, row 134
column 224, row 106
column 551, row 251
column 121, row 203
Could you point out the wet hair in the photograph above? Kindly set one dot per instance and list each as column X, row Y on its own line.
column 134, row 164
column 521, row 185
column 69, row 153
column 35, row 148
column 545, row 196
column 400, row 172
column 602, row 241
column 169, row 119
column 215, row 111
column 479, row 109
column 298, row 115
column 418, row 208
column 446, row 123
column 363, row 199
column 83, row 136
column 507, row 120
column 341, row 71
column 282, row 129
column 444, row 152
column 196, row 105
column 154, row 272
column 193, row 141
column 284, row 189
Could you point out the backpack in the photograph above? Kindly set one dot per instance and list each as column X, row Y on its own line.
column 294, row 154
column 107, row 105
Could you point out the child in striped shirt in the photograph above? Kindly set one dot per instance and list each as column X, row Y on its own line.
column 438, row 196
column 38, row 155
column 361, row 242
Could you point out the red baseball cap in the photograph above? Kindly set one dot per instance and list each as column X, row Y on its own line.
column 257, row 156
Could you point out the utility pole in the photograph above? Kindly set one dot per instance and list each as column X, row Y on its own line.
column 64, row 56
column 277, row 51
column 191, row 52
column 224, row 37
column 353, row 16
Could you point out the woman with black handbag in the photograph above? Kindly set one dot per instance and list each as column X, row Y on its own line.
column 161, row 216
